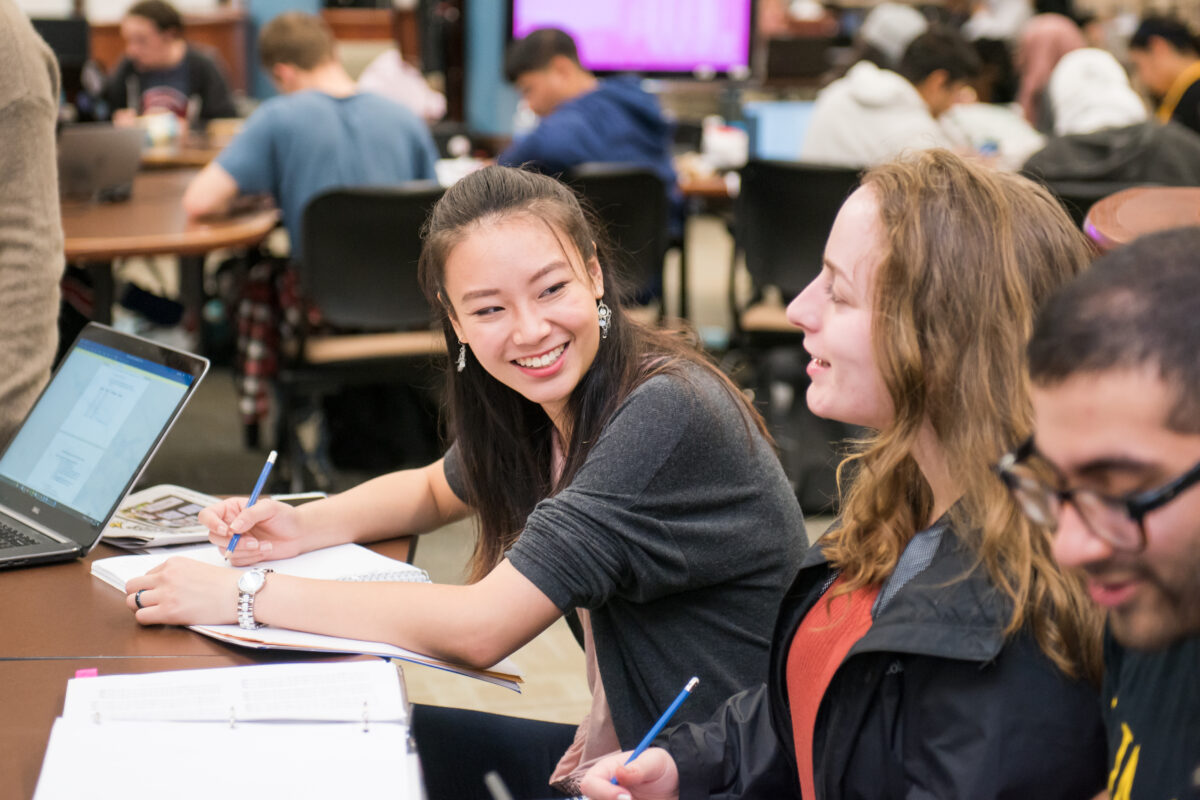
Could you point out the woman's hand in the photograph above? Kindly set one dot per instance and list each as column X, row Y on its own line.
column 269, row 529
column 652, row 776
column 183, row 591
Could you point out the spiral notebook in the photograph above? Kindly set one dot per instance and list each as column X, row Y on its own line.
column 350, row 562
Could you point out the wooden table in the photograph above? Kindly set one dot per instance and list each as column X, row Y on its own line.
column 152, row 222
column 1122, row 217
column 57, row 619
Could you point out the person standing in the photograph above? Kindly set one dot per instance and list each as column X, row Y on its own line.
column 31, row 238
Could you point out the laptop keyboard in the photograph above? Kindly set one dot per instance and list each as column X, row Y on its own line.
column 11, row 537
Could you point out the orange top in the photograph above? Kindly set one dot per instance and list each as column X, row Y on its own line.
column 821, row 643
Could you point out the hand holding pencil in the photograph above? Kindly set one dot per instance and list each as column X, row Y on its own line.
column 249, row 530
column 646, row 773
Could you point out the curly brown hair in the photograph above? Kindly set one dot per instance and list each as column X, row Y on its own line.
column 970, row 254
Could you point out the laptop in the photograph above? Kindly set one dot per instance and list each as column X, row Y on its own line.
column 97, row 161
column 86, row 440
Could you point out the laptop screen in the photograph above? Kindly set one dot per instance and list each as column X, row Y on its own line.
column 92, row 429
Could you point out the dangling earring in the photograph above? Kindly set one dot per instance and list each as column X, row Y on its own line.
column 461, row 364
column 605, row 314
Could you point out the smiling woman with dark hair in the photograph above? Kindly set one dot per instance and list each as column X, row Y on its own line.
column 616, row 473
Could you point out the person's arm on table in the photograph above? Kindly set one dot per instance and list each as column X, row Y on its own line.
column 474, row 624
column 400, row 503
column 210, row 193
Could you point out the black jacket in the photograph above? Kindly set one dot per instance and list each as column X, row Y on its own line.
column 932, row 702
column 205, row 80
column 1148, row 152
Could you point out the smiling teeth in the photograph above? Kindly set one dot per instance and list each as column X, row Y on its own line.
column 544, row 360
column 820, row 362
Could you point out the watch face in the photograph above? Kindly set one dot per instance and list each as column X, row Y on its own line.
column 251, row 581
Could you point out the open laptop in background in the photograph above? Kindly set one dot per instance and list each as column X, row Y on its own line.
column 97, row 161
column 96, row 425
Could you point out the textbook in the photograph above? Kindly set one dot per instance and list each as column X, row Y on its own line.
column 280, row 730
column 347, row 562
column 160, row 515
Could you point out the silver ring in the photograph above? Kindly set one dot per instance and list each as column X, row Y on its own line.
column 137, row 598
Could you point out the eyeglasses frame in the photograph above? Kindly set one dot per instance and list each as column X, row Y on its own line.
column 1136, row 505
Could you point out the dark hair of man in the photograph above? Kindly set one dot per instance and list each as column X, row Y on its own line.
column 164, row 15
column 296, row 38
column 1135, row 308
column 536, row 50
column 1173, row 31
column 503, row 438
column 939, row 48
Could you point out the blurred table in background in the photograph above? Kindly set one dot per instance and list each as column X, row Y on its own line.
column 152, row 222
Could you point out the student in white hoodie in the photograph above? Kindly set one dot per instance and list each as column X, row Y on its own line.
column 873, row 114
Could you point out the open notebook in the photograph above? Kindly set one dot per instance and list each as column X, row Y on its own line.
column 342, row 562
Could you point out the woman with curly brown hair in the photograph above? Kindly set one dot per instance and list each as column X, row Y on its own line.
column 929, row 645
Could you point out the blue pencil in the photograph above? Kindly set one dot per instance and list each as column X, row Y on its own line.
column 662, row 721
column 262, row 479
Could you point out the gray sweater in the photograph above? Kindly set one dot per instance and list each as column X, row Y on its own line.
column 679, row 534
column 31, row 239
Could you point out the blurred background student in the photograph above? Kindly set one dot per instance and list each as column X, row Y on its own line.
column 162, row 72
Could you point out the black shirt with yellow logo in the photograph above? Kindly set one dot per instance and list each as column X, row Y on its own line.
column 1152, row 714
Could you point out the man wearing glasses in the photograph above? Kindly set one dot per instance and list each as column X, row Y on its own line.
column 1112, row 469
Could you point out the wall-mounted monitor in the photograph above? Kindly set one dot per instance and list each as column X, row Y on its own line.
column 663, row 38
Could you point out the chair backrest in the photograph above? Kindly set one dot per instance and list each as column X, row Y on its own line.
column 782, row 218
column 1077, row 197
column 632, row 203
column 361, row 247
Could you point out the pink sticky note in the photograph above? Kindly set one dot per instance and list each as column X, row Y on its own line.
column 90, row 672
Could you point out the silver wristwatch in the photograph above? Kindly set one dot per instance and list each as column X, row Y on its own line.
column 249, row 585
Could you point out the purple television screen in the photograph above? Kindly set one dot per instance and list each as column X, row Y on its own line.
column 655, row 36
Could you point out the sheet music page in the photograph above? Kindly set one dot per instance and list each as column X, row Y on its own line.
column 180, row 760
column 339, row 691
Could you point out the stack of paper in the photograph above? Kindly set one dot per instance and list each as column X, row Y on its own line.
column 282, row 730
column 342, row 562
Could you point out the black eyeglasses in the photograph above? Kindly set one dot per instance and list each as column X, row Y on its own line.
column 1032, row 480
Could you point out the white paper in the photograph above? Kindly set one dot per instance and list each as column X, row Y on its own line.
column 206, row 760
column 341, row 562
column 348, row 691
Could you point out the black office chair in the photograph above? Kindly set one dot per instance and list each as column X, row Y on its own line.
column 1078, row 197
column 632, row 204
column 782, row 218
column 359, row 269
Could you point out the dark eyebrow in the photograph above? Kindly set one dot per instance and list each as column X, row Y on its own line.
column 537, row 276
column 1103, row 465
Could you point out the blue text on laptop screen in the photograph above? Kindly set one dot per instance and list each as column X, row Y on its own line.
column 91, row 428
